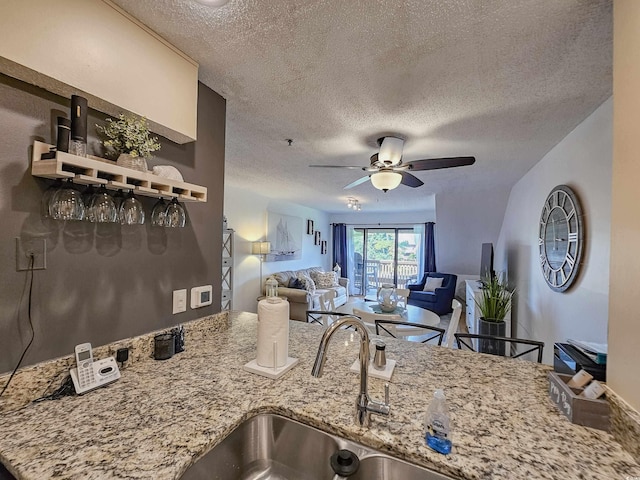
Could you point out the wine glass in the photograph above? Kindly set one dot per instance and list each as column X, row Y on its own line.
column 175, row 215
column 118, row 198
column 87, row 195
column 131, row 211
column 158, row 213
column 66, row 203
column 47, row 196
column 102, row 208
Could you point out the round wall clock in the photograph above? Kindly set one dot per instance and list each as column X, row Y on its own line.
column 560, row 238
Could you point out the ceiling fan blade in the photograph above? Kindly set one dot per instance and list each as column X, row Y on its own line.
column 357, row 182
column 437, row 163
column 410, row 180
column 359, row 167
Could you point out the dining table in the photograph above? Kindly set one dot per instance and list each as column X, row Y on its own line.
column 410, row 313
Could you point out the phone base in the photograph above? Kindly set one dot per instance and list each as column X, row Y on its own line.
column 106, row 371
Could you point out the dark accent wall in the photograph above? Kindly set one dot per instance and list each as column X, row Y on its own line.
column 102, row 282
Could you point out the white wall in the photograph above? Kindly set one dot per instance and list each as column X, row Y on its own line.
column 246, row 213
column 581, row 160
column 624, row 328
column 466, row 220
column 385, row 219
column 107, row 42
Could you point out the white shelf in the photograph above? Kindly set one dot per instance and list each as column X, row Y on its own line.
column 227, row 269
column 94, row 171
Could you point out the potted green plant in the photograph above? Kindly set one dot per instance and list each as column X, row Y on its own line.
column 129, row 138
column 494, row 304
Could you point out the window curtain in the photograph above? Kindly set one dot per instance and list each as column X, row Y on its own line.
column 340, row 252
column 429, row 247
column 352, row 264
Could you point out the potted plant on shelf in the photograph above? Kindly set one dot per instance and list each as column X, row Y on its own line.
column 129, row 138
column 494, row 304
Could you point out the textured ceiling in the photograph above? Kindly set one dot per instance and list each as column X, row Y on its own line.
column 503, row 80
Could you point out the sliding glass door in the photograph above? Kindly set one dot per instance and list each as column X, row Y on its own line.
column 384, row 255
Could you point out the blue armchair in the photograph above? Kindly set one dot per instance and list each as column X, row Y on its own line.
column 439, row 301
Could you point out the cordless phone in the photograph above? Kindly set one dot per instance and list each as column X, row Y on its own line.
column 89, row 374
column 84, row 360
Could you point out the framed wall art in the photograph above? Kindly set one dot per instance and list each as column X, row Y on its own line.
column 309, row 227
column 285, row 234
column 316, row 240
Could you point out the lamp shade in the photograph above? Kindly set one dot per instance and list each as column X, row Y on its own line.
column 386, row 180
column 260, row 248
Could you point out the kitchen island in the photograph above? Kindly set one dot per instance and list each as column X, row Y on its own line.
column 161, row 416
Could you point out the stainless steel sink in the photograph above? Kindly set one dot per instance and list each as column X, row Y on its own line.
column 273, row 447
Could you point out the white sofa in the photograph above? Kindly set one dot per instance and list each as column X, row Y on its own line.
column 301, row 300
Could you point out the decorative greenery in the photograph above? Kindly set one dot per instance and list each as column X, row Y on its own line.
column 129, row 134
column 494, row 301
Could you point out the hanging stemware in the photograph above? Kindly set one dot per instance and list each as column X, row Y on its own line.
column 158, row 213
column 175, row 215
column 47, row 196
column 131, row 211
column 102, row 208
column 67, row 203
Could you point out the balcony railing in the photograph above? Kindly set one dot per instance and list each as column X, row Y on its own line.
column 407, row 272
column 377, row 272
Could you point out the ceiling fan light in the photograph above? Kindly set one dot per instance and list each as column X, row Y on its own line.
column 391, row 150
column 386, row 180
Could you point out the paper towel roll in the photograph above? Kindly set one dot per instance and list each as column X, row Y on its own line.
column 273, row 326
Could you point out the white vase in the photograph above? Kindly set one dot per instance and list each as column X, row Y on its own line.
column 134, row 163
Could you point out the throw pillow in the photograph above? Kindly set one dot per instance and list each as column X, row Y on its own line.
column 432, row 283
column 309, row 284
column 327, row 279
column 296, row 283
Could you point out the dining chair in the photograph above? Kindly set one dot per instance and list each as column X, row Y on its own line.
column 324, row 318
column 406, row 330
column 403, row 295
column 327, row 301
column 511, row 345
column 369, row 318
column 453, row 324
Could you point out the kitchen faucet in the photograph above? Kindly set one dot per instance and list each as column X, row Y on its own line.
column 364, row 405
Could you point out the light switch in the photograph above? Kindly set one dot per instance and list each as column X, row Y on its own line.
column 179, row 301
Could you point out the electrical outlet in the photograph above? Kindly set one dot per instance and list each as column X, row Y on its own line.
column 179, row 301
column 35, row 246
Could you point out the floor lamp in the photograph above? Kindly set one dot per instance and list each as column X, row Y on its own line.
column 262, row 249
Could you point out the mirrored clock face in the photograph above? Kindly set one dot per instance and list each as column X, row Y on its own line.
column 560, row 238
column 555, row 238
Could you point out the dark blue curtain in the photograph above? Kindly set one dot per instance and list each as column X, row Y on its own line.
column 429, row 248
column 340, row 253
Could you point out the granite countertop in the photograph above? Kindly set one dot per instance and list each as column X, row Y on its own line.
column 162, row 415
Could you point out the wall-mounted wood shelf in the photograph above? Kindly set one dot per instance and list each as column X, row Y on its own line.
column 94, row 171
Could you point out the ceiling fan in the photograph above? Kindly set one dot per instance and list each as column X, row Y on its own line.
column 387, row 170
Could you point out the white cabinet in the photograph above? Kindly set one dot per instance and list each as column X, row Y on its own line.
column 473, row 312
column 226, row 302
